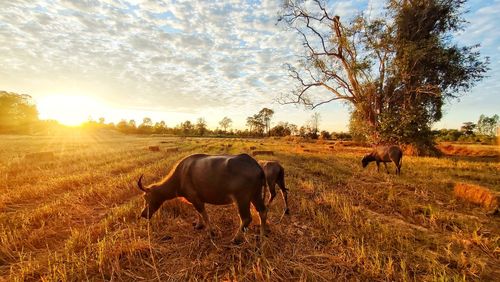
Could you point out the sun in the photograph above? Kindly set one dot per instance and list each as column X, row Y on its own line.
column 70, row 110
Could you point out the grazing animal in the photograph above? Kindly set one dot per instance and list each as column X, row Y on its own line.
column 217, row 180
column 275, row 174
column 385, row 154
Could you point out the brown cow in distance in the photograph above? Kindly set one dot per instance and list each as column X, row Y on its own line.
column 212, row 179
column 385, row 154
column 275, row 174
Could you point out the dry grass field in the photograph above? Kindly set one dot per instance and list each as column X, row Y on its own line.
column 69, row 211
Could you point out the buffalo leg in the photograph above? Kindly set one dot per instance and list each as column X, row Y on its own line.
column 207, row 222
column 199, row 224
column 245, row 219
column 386, row 168
column 264, row 191
column 378, row 166
column 259, row 205
column 200, row 207
column 272, row 190
column 284, row 193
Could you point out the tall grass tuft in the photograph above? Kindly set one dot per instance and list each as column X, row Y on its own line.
column 477, row 195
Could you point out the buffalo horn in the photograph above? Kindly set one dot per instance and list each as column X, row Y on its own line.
column 139, row 183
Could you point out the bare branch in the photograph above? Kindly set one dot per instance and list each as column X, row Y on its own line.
column 324, row 102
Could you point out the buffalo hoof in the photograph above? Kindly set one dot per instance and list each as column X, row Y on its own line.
column 267, row 231
column 212, row 234
column 287, row 211
column 238, row 238
column 198, row 225
column 237, row 241
column 166, row 238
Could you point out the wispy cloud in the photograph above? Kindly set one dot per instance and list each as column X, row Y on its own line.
column 183, row 56
column 175, row 52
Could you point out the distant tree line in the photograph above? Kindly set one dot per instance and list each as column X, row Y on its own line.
column 484, row 131
column 258, row 125
column 19, row 115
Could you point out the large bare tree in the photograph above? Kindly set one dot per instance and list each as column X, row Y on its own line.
column 394, row 72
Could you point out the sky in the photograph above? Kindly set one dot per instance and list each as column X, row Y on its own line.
column 181, row 60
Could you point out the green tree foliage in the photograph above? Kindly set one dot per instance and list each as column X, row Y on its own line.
column 311, row 128
column 132, row 124
column 187, row 127
column 283, row 129
column 160, row 127
column 395, row 72
column 147, row 121
column 126, row 127
column 260, row 122
column 313, row 125
column 265, row 115
column 357, row 128
column 468, row 128
column 18, row 113
column 487, row 125
column 255, row 125
column 201, row 126
column 449, row 135
column 341, row 136
column 325, row 135
column 225, row 123
column 146, row 127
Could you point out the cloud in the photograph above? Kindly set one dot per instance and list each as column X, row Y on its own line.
column 164, row 55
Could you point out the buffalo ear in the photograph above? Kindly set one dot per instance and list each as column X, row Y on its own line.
column 139, row 184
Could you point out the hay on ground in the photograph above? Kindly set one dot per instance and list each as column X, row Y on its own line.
column 40, row 156
column 477, row 195
column 253, row 148
column 154, row 148
column 256, row 153
column 171, row 150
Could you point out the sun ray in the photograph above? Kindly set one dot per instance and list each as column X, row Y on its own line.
column 71, row 110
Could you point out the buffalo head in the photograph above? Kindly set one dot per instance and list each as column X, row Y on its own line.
column 365, row 160
column 152, row 202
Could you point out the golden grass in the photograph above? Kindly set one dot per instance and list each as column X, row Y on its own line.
column 477, row 195
column 154, row 148
column 256, row 153
column 39, row 155
column 488, row 151
column 74, row 217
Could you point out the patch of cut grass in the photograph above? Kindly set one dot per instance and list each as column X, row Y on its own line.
column 75, row 217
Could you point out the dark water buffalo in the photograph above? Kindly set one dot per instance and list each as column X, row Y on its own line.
column 385, row 154
column 217, row 180
column 275, row 174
